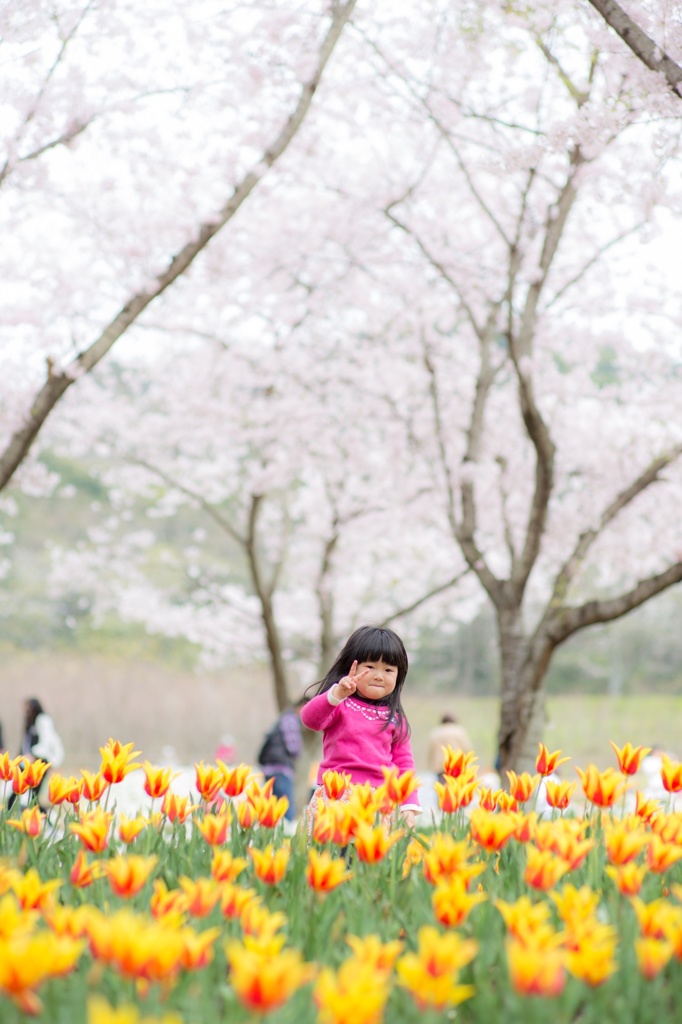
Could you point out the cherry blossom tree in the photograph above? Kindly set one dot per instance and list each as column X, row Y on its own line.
column 454, row 292
column 299, row 494
column 642, row 45
column 175, row 66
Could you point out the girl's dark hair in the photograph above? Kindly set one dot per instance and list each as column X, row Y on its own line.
column 33, row 709
column 373, row 643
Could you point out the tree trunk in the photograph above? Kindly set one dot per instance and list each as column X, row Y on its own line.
column 513, row 656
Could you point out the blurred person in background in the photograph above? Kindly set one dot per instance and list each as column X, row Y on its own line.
column 448, row 733
column 40, row 741
column 279, row 753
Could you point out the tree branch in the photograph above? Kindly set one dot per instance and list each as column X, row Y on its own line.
column 210, row 510
column 570, row 620
column 588, row 537
column 425, row 597
column 640, row 44
column 57, row 383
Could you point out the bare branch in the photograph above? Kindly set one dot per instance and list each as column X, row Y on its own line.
column 570, row 620
column 426, row 597
column 57, row 383
column 439, row 266
column 449, row 141
column 579, row 95
column 587, row 538
column 210, row 509
column 652, row 55
column 591, row 262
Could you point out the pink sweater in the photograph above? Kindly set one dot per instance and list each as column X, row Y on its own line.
column 354, row 741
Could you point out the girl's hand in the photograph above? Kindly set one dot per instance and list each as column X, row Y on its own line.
column 349, row 683
column 409, row 817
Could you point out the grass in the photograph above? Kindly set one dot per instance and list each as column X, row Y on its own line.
column 580, row 725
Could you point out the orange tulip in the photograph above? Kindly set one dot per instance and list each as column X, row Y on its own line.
column 431, row 974
column 270, row 809
column 225, row 867
column 507, row 802
column 259, row 922
column 246, row 813
column 399, row 785
column 263, row 983
column 644, row 808
column 661, row 855
column 601, row 788
column 356, row 992
column 129, row 874
column 572, row 850
column 456, row 762
column 491, row 831
column 30, row 822
column 375, row 954
column 270, row 864
column 623, row 844
column 547, row 763
column 630, row 758
column 538, row 971
column 213, row 828
column 29, row 776
column 335, row 784
column 628, row 877
column 93, row 786
column 452, row 903
column 594, row 961
column 197, row 948
column 446, row 856
column 7, row 765
column 167, row 903
column 258, row 787
column 93, row 830
column 658, row 919
column 130, row 828
column 176, row 808
column 652, row 956
column 667, row 826
column 559, row 793
column 526, row 827
column 576, row 906
column 234, row 899
column 209, row 781
column 61, row 790
column 524, row 919
column 33, row 894
column 202, row 895
column 455, row 793
column 83, row 874
column 521, row 786
column 235, row 779
column 543, row 869
column 157, row 780
column 117, row 761
column 671, row 775
column 325, row 872
column 372, row 844
column 487, row 798
column 29, row 961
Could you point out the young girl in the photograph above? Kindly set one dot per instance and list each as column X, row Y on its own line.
column 358, row 711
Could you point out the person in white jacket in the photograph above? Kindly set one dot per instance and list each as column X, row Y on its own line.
column 40, row 741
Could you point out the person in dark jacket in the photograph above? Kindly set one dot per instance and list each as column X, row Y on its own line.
column 279, row 752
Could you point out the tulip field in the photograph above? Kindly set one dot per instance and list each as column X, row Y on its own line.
column 206, row 912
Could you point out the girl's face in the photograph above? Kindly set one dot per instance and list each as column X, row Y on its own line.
column 379, row 681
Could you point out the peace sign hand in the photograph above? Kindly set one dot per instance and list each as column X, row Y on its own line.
column 348, row 684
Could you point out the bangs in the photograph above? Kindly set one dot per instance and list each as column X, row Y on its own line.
column 381, row 645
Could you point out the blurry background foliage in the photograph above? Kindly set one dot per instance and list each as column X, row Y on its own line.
column 638, row 654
